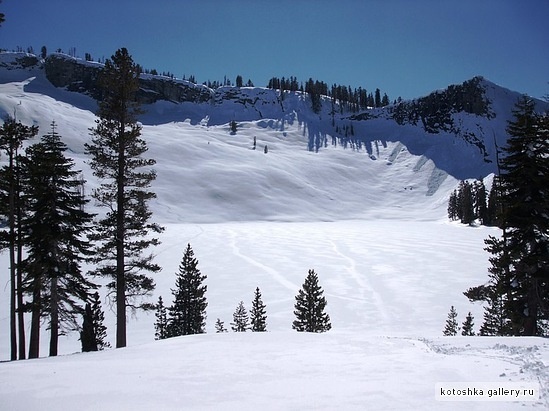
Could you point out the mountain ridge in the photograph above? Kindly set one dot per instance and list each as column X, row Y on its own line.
column 366, row 160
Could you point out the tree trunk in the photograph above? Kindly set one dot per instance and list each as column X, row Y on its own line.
column 11, row 217
column 120, row 234
column 54, row 317
column 34, row 343
column 531, row 321
column 20, row 312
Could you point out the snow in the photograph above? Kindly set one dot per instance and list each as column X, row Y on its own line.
column 375, row 231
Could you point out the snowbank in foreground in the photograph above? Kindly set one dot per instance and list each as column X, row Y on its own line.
column 277, row 371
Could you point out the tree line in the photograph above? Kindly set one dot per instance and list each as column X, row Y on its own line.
column 348, row 99
column 187, row 313
column 49, row 234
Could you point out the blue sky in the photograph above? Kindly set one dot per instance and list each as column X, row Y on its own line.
column 406, row 48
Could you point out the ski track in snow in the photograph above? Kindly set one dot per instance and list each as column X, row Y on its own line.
column 271, row 271
column 367, row 291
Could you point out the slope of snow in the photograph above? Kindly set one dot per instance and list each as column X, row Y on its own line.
column 371, row 222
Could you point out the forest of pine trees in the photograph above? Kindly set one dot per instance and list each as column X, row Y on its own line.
column 49, row 233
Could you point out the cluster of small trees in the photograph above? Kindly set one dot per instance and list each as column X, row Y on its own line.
column 470, row 203
column 452, row 326
column 187, row 314
column 49, row 234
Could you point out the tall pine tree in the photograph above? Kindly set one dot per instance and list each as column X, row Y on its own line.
column 12, row 135
column 187, row 315
column 117, row 151
column 309, row 307
column 55, row 231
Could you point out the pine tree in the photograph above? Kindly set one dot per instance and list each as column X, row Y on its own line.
column 55, row 229
column 524, row 196
column 309, row 307
column 467, row 325
column 12, row 135
column 258, row 313
column 87, row 334
column 220, row 326
column 233, row 126
column 240, row 319
column 187, row 315
column 116, row 150
column 100, row 330
column 161, row 323
column 451, row 328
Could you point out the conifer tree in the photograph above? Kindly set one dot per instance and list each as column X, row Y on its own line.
column 87, row 334
column 187, row 315
column 451, row 327
column 100, row 330
column 55, row 228
column 240, row 318
column 258, row 313
column 467, row 325
column 309, row 307
column 12, row 135
column 117, row 159
column 220, row 326
column 525, row 197
column 161, row 323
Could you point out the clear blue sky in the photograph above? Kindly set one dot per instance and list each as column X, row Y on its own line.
column 405, row 47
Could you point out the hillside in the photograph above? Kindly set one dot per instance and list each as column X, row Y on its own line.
column 367, row 211
column 401, row 157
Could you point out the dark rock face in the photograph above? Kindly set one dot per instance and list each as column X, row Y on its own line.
column 82, row 77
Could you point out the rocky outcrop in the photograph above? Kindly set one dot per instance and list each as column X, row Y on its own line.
column 82, row 77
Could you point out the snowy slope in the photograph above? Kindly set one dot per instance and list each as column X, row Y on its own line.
column 372, row 223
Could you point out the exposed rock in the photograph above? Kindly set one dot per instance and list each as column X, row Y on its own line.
column 82, row 77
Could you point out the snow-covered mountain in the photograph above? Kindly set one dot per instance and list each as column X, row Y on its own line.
column 366, row 210
column 400, row 157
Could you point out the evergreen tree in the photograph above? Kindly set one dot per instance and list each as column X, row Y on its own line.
column 481, row 209
column 12, row 135
column 117, row 150
column 453, row 206
column 240, row 318
column 451, row 327
column 87, row 334
column 56, row 226
column 161, row 323
column 233, row 126
column 258, row 313
column 466, row 204
column 100, row 330
column 467, row 325
column 220, row 326
column 378, row 98
column 309, row 307
column 525, row 221
column 187, row 315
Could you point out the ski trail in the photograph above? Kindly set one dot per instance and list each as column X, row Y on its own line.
column 271, row 271
column 367, row 290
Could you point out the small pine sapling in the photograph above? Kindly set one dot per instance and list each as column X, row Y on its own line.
column 220, row 326
column 258, row 313
column 467, row 325
column 240, row 318
column 451, row 328
column 161, row 323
